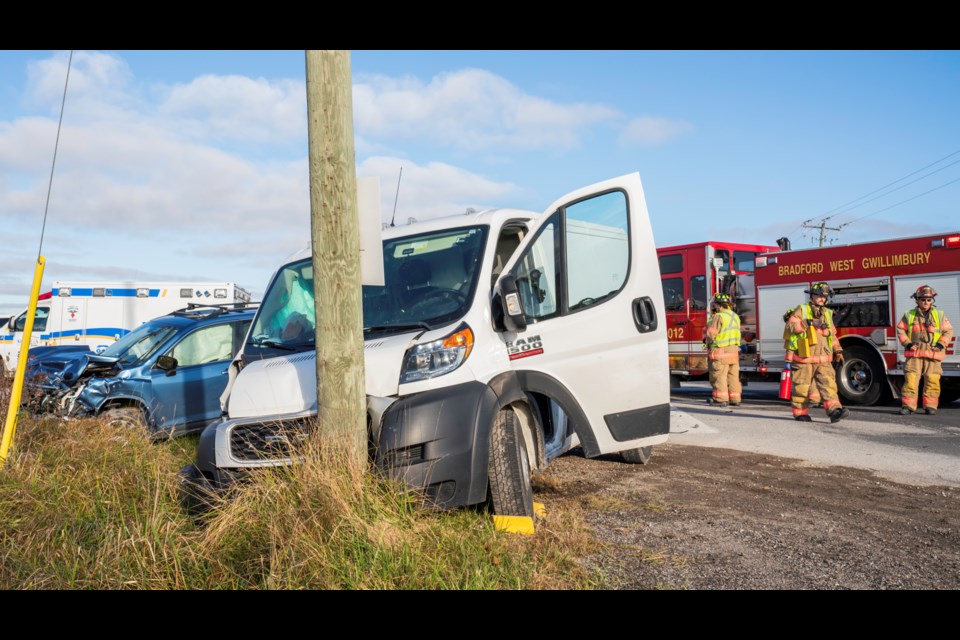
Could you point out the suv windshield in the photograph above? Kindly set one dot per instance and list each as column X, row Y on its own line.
column 140, row 343
column 430, row 280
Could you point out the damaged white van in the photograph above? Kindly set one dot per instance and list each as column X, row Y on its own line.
column 500, row 340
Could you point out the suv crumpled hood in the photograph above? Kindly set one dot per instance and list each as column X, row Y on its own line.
column 287, row 384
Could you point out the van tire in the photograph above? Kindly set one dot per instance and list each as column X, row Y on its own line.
column 511, row 492
column 129, row 417
column 861, row 379
column 640, row 455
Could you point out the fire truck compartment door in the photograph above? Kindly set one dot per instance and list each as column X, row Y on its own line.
column 582, row 274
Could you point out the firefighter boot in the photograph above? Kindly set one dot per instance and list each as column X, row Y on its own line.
column 931, row 411
column 839, row 414
column 905, row 410
column 803, row 418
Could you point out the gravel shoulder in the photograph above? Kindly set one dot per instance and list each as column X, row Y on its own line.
column 715, row 518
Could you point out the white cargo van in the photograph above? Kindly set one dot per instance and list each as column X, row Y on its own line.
column 500, row 340
column 93, row 315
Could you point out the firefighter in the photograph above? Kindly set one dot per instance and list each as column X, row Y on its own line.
column 723, row 351
column 814, row 396
column 812, row 347
column 925, row 334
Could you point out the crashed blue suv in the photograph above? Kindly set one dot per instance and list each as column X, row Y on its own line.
column 166, row 375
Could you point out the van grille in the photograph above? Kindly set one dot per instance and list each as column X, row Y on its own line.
column 269, row 441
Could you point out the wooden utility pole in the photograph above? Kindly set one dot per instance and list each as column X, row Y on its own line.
column 335, row 231
column 823, row 229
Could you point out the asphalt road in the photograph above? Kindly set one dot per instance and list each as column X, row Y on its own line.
column 916, row 449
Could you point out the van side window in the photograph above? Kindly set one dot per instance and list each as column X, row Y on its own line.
column 537, row 274
column 597, row 249
column 507, row 243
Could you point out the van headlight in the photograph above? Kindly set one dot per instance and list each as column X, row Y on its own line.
column 438, row 357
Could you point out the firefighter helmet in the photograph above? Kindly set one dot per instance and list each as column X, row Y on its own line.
column 820, row 289
column 722, row 298
column 926, row 291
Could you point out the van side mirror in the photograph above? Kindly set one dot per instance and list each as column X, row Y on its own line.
column 508, row 310
column 168, row 364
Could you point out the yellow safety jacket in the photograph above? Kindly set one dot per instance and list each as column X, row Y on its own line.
column 912, row 330
column 802, row 340
column 723, row 337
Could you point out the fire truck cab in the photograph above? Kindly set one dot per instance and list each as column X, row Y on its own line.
column 691, row 275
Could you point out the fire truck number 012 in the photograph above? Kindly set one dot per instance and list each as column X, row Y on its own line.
column 674, row 333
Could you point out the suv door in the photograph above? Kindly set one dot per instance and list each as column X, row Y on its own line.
column 595, row 340
column 188, row 398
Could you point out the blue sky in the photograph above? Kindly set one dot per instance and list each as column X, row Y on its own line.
column 191, row 165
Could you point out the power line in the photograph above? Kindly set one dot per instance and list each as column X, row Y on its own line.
column 947, row 184
column 56, row 144
column 828, row 213
column 883, row 195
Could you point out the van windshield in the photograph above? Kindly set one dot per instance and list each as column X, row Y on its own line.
column 139, row 344
column 430, row 280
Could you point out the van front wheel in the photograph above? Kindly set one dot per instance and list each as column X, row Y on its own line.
column 511, row 492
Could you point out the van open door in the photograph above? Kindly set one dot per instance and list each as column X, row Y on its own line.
column 583, row 314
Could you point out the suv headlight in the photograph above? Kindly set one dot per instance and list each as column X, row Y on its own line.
column 438, row 357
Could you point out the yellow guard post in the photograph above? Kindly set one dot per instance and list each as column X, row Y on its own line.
column 10, row 427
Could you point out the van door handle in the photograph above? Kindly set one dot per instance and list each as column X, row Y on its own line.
column 644, row 314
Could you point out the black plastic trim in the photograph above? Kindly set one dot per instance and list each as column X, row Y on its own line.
column 452, row 425
column 639, row 423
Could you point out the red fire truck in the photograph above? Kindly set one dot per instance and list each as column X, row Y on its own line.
column 872, row 282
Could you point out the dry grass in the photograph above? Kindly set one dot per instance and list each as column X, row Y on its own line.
column 87, row 506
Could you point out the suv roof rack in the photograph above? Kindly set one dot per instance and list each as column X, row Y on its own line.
column 195, row 310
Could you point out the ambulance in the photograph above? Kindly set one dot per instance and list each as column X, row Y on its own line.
column 93, row 315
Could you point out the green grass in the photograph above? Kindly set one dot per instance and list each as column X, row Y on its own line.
column 87, row 506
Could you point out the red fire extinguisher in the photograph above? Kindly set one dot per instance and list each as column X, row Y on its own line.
column 786, row 383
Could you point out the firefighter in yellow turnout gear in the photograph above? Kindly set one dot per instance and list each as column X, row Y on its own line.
column 925, row 334
column 814, row 394
column 723, row 351
column 812, row 348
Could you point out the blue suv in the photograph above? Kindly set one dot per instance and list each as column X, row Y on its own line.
column 166, row 375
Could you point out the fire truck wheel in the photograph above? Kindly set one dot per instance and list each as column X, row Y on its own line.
column 861, row 378
column 511, row 492
column 640, row 455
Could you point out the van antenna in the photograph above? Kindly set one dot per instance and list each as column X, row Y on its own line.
column 395, row 197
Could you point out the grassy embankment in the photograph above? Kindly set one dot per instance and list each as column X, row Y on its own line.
column 87, row 506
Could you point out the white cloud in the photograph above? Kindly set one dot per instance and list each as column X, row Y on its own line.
column 432, row 190
column 136, row 176
column 470, row 109
column 649, row 131
column 237, row 107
